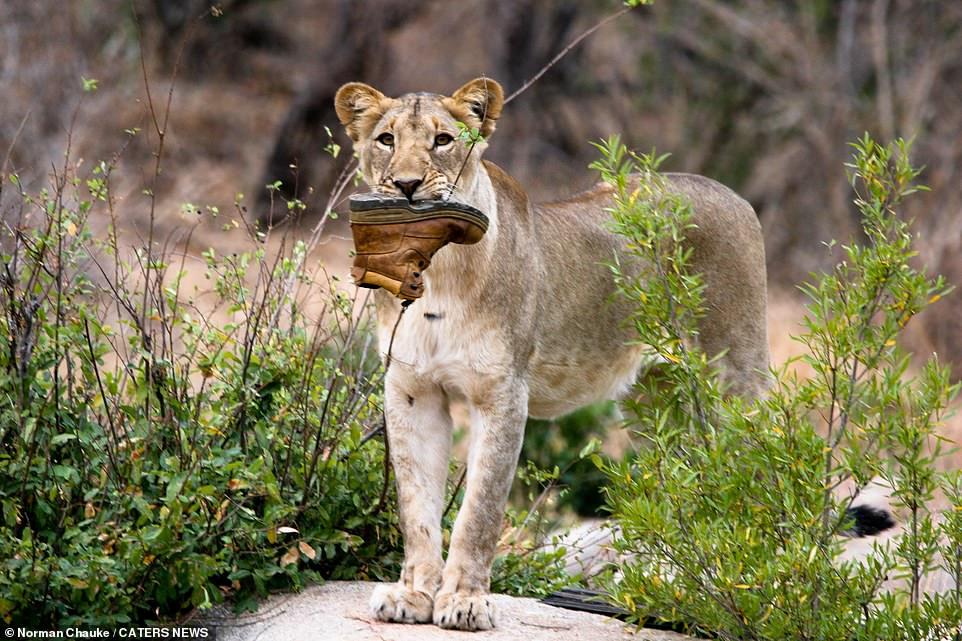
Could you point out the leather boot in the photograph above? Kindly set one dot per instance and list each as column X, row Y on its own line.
column 395, row 239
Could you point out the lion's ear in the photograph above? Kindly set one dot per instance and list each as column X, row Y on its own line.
column 358, row 107
column 480, row 101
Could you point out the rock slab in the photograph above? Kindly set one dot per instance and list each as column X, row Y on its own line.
column 337, row 611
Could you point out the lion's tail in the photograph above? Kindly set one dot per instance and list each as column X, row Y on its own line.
column 590, row 550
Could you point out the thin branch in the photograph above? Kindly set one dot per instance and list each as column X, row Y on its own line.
column 13, row 143
column 474, row 142
column 115, row 468
column 454, row 494
column 561, row 54
column 382, row 501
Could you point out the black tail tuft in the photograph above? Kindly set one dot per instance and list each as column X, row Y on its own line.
column 584, row 601
column 868, row 520
column 594, row 601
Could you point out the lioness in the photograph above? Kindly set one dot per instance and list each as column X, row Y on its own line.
column 523, row 323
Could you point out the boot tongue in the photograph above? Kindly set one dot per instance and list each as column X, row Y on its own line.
column 395, row 239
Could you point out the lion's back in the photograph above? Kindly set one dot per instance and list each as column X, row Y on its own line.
column 727, row 250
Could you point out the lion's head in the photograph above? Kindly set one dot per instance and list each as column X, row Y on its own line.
column 411, row 145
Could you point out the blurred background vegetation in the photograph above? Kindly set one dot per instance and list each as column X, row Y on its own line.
column 761, row 95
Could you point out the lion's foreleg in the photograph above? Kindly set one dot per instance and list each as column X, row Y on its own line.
column 419, row 431
column 497, row 427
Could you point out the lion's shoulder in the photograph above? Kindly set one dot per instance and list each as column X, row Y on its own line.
column 509, row 191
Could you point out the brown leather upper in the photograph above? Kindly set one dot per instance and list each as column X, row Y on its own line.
column 395, row 255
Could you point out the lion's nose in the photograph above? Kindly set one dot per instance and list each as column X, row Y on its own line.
column 408, row 187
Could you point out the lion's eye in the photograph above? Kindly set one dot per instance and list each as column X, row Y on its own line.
column 443, row 140
column 386, row 139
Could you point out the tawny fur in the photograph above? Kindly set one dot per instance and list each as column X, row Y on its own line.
column 526, row 322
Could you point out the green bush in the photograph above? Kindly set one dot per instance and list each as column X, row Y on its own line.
column 732, row 512
column 154, row 457
column 532, row 558
column 556, row 443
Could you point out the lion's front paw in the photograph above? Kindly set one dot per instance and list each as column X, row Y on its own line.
column 394, row 602
column 460, row 611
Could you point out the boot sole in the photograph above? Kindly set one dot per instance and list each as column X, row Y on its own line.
column 368, row 209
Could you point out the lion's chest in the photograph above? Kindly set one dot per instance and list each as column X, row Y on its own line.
column 441, row 345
